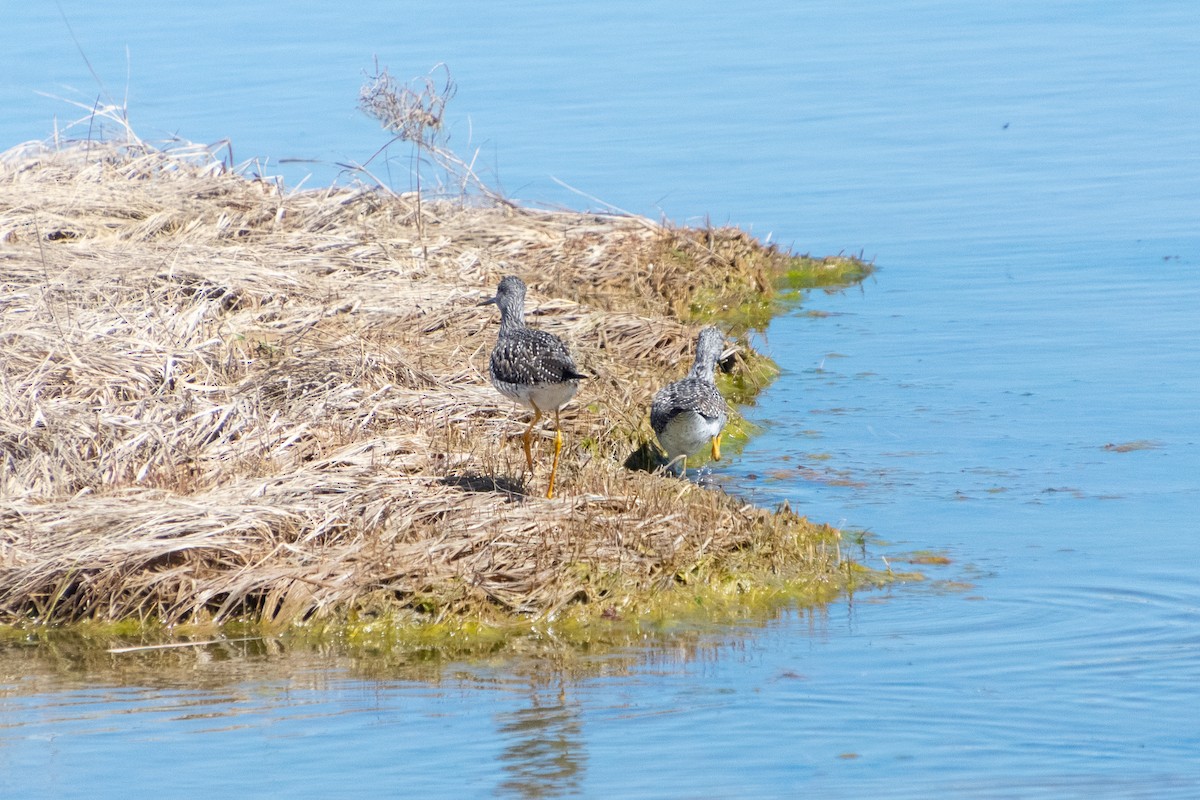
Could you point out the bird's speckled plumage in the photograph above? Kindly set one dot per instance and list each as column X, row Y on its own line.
column 690, row 413
column 530, row 366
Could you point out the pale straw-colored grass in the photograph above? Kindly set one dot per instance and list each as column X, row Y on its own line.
column 223, row 400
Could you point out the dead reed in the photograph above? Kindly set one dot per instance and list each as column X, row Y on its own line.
column 220, row 400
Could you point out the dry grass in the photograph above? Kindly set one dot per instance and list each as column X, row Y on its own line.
column 220, row 400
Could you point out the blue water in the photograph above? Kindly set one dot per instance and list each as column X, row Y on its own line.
column 1027, row 178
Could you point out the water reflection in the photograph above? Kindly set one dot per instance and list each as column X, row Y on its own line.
column 545, row 754
column 517, row 717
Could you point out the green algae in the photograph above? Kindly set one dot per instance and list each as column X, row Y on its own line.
column 695, row 603
column 790, row 278
column 785, row 565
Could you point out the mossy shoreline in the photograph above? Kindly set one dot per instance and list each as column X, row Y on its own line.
column 229, row 406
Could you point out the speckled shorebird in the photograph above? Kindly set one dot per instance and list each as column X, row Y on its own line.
column 690, row 413
column 530, row 366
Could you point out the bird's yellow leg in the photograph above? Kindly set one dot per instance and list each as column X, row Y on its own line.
column 557, row 449
column 527, row 438
column 716, row 447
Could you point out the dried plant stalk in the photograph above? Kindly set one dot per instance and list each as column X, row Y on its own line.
column 222, row 400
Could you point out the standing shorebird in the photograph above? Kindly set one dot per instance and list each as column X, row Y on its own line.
column 530, row 366
column 689, row 413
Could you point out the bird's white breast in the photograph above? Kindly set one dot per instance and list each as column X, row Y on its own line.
column 687, row 432
column 542, row 396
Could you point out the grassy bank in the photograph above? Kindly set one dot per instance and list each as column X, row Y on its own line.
column 224, row 401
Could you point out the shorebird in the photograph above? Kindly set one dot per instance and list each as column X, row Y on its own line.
column 689, row 413
column 530, row 366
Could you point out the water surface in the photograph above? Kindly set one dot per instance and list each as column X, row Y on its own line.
column 1015, row 390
